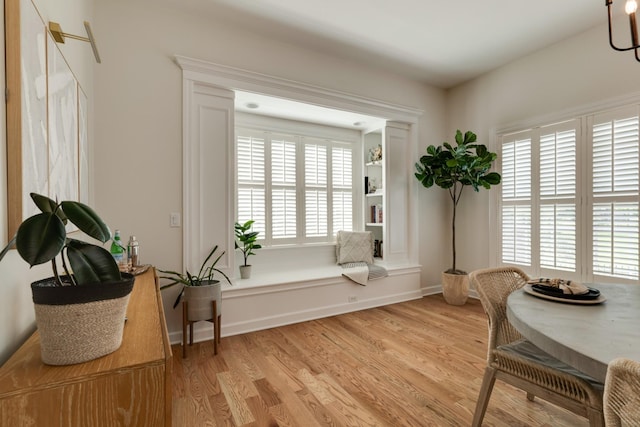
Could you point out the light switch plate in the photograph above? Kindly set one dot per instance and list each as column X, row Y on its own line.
column 174, row 219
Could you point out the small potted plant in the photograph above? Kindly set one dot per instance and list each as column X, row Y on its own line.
column 199, row 289
column 453, row 168
column 246, row 242
column 80, row 314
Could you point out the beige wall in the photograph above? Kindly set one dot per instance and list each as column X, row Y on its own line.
column 16, row 308
column 569, row 75
column 139, row 113
column 137, row 122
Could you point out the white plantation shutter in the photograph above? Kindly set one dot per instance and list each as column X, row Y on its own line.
column 558, row 196
column 315, row 172
column 560, row 224
column 342, row 186
column 251, row 180
column 296, row 188
column 615, row 213
column 516, row 234
column 283, row 188
column 516, row 199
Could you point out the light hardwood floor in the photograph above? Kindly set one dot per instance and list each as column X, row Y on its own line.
column 417, row 363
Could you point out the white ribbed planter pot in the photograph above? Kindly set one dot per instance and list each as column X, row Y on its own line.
column 200, row 298
column 245, row 271
column 455, row 288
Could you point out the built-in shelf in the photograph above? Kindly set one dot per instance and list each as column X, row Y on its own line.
column 376, row 194
column 375, row 224
column 376, row 163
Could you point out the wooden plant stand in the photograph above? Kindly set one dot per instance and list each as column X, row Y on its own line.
column 216, row 320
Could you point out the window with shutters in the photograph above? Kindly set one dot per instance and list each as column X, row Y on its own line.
column 615, row 194
column 297, row 188
column 570, row 198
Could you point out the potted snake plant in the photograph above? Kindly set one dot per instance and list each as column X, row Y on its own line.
column 200, row 289
column 79, row 314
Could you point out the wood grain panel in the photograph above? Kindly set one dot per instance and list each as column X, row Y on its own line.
column 130, row 387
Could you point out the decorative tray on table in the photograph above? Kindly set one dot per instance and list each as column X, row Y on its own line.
column 592, row 296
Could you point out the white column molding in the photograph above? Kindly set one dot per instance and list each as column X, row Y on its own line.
column 398, row 183
column 208, row 185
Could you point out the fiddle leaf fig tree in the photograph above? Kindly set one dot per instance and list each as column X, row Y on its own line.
column 455, row 167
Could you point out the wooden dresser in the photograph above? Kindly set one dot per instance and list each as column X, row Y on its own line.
column 130, row 387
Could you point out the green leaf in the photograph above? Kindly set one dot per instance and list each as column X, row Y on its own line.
column 459, row 138
column 87, row 220
column 452, row 163
column 469, row 137
column 40, row 238
column 493, row 178
column 91, row 263
column 45, row 204
column 6, row 249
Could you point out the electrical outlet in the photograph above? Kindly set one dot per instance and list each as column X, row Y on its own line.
column 174, row 219
column 353, row 298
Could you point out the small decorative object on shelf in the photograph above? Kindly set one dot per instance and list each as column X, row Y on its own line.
column 375, row 154
column 377, row 248
column 372, row 186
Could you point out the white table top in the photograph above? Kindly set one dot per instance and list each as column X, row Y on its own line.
column 586, row 337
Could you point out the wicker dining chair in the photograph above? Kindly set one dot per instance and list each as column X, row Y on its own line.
column 622, row 393
column 518, row 362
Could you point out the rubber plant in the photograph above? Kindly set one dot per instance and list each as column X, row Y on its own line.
column 43, row 237
column 247, row 239
column 455, row 167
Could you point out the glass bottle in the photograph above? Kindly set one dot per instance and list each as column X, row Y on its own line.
column 117, row 250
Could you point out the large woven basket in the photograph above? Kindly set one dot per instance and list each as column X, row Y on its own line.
column 80, row 323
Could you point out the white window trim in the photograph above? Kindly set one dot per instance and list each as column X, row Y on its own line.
column 197, row 72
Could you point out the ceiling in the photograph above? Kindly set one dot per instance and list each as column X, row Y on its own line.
column 441, row 43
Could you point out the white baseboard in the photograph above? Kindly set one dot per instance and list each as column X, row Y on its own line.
column 263, row 307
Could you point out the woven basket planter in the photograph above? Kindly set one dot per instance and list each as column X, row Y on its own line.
column 80, row 323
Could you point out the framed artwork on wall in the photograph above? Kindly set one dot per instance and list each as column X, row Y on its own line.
column 46, row 117
column 62, row 100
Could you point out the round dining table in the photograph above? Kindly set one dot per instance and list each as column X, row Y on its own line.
column 585, row 336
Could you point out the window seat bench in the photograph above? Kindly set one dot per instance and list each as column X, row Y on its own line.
column 290, row 295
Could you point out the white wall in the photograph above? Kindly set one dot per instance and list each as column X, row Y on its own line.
column 139, row 115
column 16, row 308
column 569, row 75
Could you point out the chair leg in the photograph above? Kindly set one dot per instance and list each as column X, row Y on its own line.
column 488, row 381
column 184, row 329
